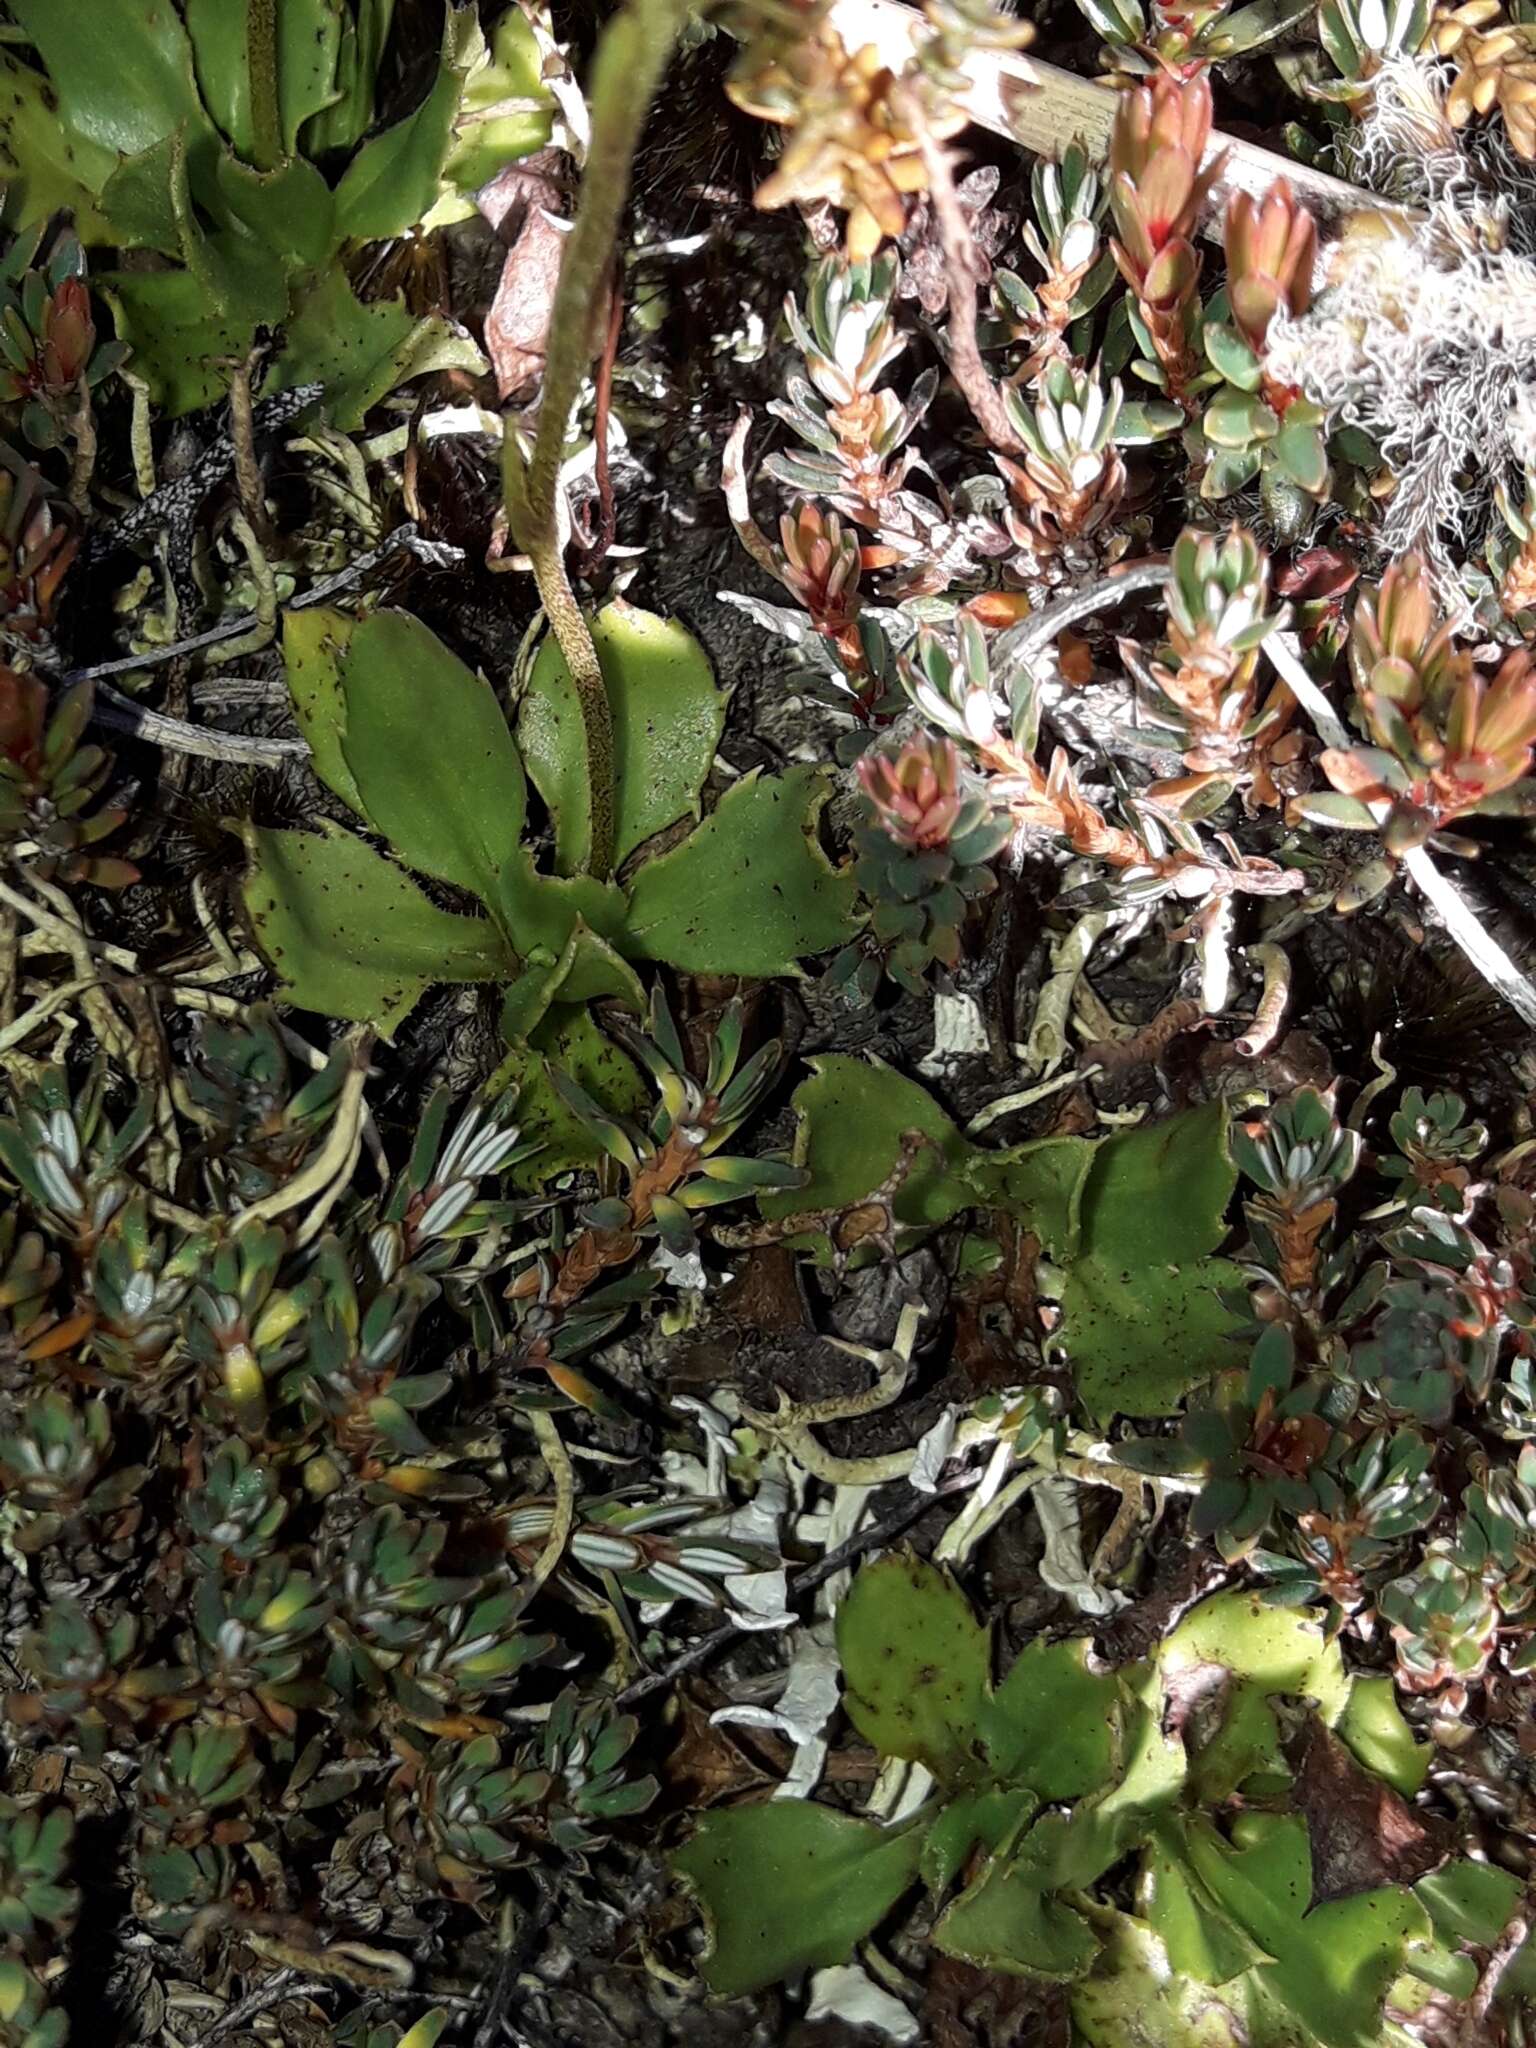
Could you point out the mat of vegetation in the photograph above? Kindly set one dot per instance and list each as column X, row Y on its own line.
column 768, row 1021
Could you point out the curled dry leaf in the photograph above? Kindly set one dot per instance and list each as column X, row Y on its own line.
column 1362, row 1833
column 525, row 205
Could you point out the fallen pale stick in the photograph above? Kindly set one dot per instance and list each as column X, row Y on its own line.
column 1042, row 108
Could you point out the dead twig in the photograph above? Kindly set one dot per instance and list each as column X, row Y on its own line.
column 806, row 1581
column 962, row 271
column 404, row 540
column 278, row 1987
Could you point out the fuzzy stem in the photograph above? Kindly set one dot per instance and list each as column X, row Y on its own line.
column 261, row 63
column 626, row 72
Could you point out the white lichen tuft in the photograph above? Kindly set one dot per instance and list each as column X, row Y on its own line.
column 1426, row 339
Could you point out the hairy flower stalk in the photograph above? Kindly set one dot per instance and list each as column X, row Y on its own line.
column 628, row 68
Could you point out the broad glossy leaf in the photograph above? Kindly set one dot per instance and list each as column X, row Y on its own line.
column 1054, row 1724
column 1202, row 1940
column 986, row 1819
column 314, row 642
column 345, row 118
column 916, row 1667
column 512, row 71
column 588, row 970
column 1268, row 1650
column 1141, row 1318
column 351, row 935
column 787, row 1886
column 45, row 165
column 1473, row 1903
column 289, row 210
column 362, row 353
column 182, row 344
column 391, row 183
column 667, row 719
column 217, row 32
column 124, row 78
column 1040, row 1184
column 1334, row 1964
column 750, row 892
column 1005, row 1921
column 309, row 34
column 1373, row 1727
column 1137, row 1997
column 563, row 929
column 429, row 750
column 571, row 1041
column 541, row 911
column 852, row 1116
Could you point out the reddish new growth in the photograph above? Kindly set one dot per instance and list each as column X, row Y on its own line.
column 1157, row 190
column 916, row 795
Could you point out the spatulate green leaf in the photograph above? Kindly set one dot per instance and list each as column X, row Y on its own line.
column 351, row 935
column 1141, row 1317
column 667, row 718
column 853, row 1115
column 430, row 754
column 788, row 1886
column 750, row 892
column 916, row 1667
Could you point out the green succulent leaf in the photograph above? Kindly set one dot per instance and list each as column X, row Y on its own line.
column 430, row 755
column 1142, row 1318
column 314, row 646
column 1236, row 419
column 916, row 1667
column 750, row 892
column 361, row 353
column 1229, row 470
column 1232, row 355
column 668, row 715
column 1301, row 453
column 392, row 182
column 788, row 1886
column 351, row 935
column 1202, row 1941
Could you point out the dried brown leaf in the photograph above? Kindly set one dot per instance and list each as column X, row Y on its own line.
column 1363, row 1834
